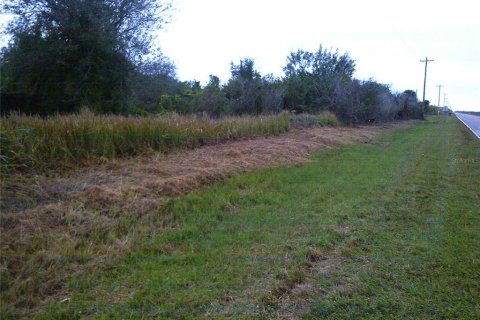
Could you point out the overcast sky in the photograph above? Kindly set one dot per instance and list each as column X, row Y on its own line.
column 386, row 38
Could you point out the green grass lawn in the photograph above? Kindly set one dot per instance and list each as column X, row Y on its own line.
column 383, row 230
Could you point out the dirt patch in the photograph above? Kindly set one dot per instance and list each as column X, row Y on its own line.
column 297, row 301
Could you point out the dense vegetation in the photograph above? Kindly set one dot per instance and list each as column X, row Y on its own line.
column 32, row 143
column 66, row 55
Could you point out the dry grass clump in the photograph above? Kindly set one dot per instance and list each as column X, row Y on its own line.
column 35, row 143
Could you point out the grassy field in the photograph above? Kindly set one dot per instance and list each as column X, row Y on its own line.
column 31, row 143
column 389, row 229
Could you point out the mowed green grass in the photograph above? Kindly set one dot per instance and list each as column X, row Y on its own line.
column 397, row 222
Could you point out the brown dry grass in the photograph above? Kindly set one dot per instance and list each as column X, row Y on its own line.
column 64, row 223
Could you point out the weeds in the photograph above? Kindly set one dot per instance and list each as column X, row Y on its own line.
column 306, row 120
column 32, row 143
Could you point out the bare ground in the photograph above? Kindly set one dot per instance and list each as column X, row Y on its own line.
column 56, row 216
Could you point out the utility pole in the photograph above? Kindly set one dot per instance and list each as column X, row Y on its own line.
column 425, row 77
column 439, row 89
column 445, row 102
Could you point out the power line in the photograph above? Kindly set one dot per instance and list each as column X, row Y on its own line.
column 408, row 48
column 425, row 77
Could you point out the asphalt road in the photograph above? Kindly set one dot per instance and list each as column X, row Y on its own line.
column 471, row 121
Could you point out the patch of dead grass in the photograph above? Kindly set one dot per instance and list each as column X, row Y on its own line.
column 91, row 211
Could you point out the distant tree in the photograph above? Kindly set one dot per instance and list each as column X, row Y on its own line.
column 213, row 82
column 152, row 79
column 411, row 95
column 272, row 94
column 410, row 107
column 70, row 53
column 299, row 63
column 323, row 80
column 329, row 64
column 243, row 88
column 245, row 69
column 213, row 100
column 299, row 81
column 376, row 102
column 312, row 77
column 248, row 92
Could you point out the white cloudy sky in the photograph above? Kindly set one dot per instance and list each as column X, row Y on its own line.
column 387, row 39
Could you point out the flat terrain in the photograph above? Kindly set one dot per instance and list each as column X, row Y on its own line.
column 471, row 120
column 62, row 223
column 386, row 227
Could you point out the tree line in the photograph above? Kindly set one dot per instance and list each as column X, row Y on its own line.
column 65, row 55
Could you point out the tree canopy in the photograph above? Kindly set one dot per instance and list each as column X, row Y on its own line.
column 65, row 54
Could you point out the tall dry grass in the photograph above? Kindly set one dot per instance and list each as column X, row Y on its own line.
column 35, row 143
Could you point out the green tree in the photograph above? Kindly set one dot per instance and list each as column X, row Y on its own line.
column 411, row 107
column 244, row 70
column 248, row 92
column 153, row 78
column 311, row 78
column 243, row 88
column 213, row 100
column 66, row 54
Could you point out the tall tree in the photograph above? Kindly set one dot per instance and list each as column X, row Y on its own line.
column 311, row 78
column 66, row 54
column 245, row 69
column 243, row 88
